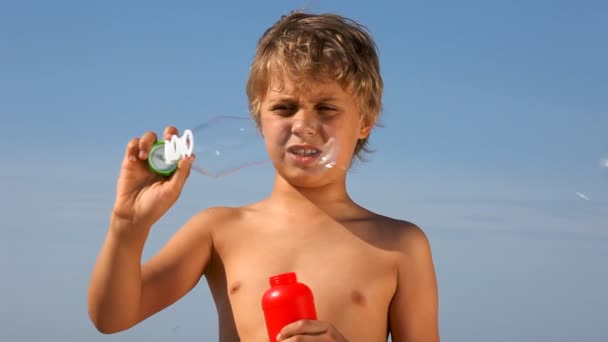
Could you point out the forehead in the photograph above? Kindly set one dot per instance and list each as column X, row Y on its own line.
column 283, row 86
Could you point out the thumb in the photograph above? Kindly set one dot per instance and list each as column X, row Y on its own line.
column 183, row 171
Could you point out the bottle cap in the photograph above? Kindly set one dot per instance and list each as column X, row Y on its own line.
column 283, row 279
column 157, row 161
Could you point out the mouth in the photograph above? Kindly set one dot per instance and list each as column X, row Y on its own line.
column 304, row 154
column 304, row 150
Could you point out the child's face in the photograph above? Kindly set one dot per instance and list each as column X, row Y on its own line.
column 307, row 116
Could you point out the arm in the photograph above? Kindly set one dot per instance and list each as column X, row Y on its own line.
column 123, row 292
column 413, row 314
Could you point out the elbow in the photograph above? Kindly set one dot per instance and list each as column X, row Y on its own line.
column 101, row 325
column 107, row 317
column 106, row 325
column 103, row 329
column 106, row 328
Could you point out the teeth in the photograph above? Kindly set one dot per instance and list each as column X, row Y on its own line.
column 304, row 152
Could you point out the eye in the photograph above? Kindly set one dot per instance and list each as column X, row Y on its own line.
column 283, row 109
column 327, row 111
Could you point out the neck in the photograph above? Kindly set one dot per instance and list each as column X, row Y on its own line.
column 328, row 197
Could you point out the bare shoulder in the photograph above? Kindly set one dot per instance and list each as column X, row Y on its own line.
column 197, row 233
column 212, row 220
column 411, row 238
column 201, row 226
column 217, row 215
column 402, row 236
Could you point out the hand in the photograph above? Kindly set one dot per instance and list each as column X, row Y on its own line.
column 142, row 196
column 310, row 330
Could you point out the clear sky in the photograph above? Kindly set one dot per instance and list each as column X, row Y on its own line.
column 495, row 123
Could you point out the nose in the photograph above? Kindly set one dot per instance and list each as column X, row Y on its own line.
column 304, row 128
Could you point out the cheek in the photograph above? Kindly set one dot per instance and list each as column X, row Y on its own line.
column 275, row 137
column 347, row 141
column 351, row 135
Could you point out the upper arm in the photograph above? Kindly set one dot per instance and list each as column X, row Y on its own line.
column 180, row 264
column 414, row 309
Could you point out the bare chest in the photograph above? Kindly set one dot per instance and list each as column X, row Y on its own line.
column 352, row 280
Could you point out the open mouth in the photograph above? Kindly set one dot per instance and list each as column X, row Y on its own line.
column 304, row 153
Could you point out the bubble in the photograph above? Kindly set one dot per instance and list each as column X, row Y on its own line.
column 604, row 162
column 226, row 144
column 222, row 145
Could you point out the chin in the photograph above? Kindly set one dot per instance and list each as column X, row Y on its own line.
column 302, row 178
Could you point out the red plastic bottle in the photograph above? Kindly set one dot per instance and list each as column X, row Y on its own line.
column 285, row 302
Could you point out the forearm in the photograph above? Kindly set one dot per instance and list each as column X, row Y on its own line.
column 115, row 287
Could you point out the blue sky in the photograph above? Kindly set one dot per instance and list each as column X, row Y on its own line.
column 496, row 116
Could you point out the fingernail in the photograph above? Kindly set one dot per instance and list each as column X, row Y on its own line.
column 132, row 158
column 278, row 336
column 142, row 154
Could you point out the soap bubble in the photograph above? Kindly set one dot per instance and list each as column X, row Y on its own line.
column 582, row 195
column 226, row 144
column 604, row 162
column 222, row 145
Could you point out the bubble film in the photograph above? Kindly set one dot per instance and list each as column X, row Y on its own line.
column 226, row 144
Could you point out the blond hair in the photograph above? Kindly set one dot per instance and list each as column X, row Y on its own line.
column 306, row 47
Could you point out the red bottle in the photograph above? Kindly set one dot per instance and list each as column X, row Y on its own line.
column 285, row 302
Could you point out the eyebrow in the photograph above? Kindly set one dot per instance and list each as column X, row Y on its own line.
column 281, row 98
column 327, row 99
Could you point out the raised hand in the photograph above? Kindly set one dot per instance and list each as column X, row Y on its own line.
column 142, row 196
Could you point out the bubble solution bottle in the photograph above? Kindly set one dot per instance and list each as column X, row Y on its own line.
column 285, row 302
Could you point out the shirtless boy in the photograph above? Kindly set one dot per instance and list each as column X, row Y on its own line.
column 371, row 275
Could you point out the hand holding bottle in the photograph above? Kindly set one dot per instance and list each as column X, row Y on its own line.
column 285, row 302
column 143, row 196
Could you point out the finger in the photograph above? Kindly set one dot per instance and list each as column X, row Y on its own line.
column 169, row 132
column 303, row 327
column 178, row 179
column 145, row 143
column 132, row 150
column 303, row 338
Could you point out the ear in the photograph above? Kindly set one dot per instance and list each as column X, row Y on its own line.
column 367, row 123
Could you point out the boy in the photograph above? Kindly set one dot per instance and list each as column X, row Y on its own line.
column 371, row 275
